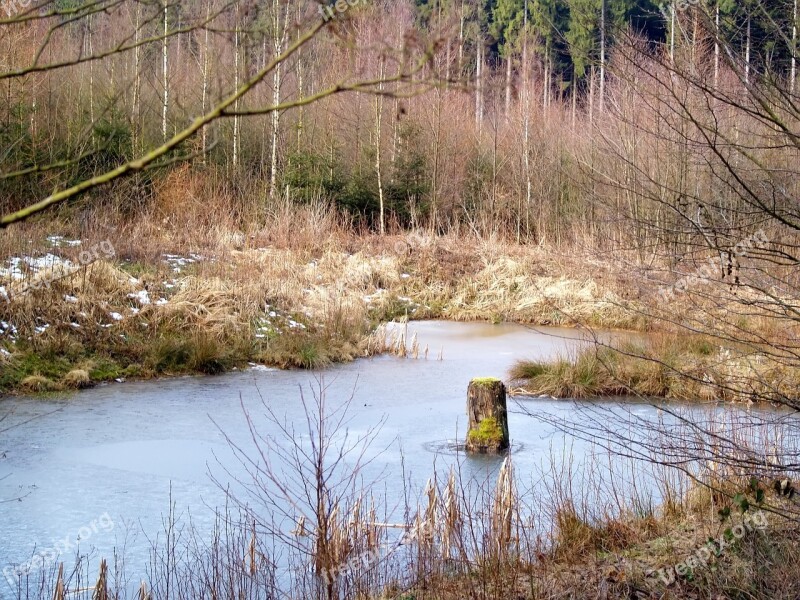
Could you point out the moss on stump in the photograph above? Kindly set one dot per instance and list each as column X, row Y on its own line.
column 488, row 417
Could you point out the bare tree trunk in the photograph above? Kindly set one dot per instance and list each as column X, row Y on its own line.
column 279, row 35
column 548, row 80
column 672, row 33
column 487, row 415
column 33, row 119
column 495, row 162
column 479, row 84
column 137, row 83
column 526, row 122
column 716, row 45
column 461, row 43
column 88, row 49
column 508, row 86
column 436, row 150
column 591, row 96
column 378, row 130
column 793, row 74
column 544, row 82
column 165, row 72
column 204, row 99
column 395, row 136
column 602, row 54
column 266, row 122
column 695, row 34
column 90, row 40
column 300, row 90
column 574, row 99
column 747, row 52
column 236, row 119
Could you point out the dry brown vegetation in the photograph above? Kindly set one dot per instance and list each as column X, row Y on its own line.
column 555, row 209
column 297, row 286
column 664, row 365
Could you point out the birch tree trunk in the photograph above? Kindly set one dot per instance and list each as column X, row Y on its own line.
column 300, row 88
column 793, row 74
column 672, row 33
column 236, row 119
column 436, row 159
column 277, row 79
column 461, row 43
column 165, row 80
column 479, row 85
column 204, row 98
column 574, row 100
column 591, row 95
column 526, row 147
column 546, row 84
column 90, row 51
column 508, row 85
column 378, row 130
column 137, row 84
column 747, row 52
column 716, row 45
column 602, row 54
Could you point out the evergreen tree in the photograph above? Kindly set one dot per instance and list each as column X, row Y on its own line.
column 583, row 34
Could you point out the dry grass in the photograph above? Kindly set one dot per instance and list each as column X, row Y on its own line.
column 293, row 286
column 677, row 367
column 38, row 384
column 78, row 379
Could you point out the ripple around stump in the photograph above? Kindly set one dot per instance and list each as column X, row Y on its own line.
column 455, row 447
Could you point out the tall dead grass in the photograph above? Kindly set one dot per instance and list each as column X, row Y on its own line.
column 214, row 275
column 665, row 365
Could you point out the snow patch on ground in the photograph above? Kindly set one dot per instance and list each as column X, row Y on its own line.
column 59, row 241
column 178, row 262
column 26, row 267
column 142, row 296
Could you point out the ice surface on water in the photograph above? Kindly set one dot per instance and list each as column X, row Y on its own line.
column 126, row 449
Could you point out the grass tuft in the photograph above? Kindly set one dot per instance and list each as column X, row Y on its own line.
column 38, row 384
column 664, row 366
column 77, row 379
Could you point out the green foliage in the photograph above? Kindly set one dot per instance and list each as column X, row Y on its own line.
column 309, row 173
column 31, row 364
column 478, row 183
column 354, row 187
column 508, row 18
column 105, row 369
column 111, row 143
column 408, row 185
column 583, row 33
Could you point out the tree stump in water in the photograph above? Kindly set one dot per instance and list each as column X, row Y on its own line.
column 488, row 417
